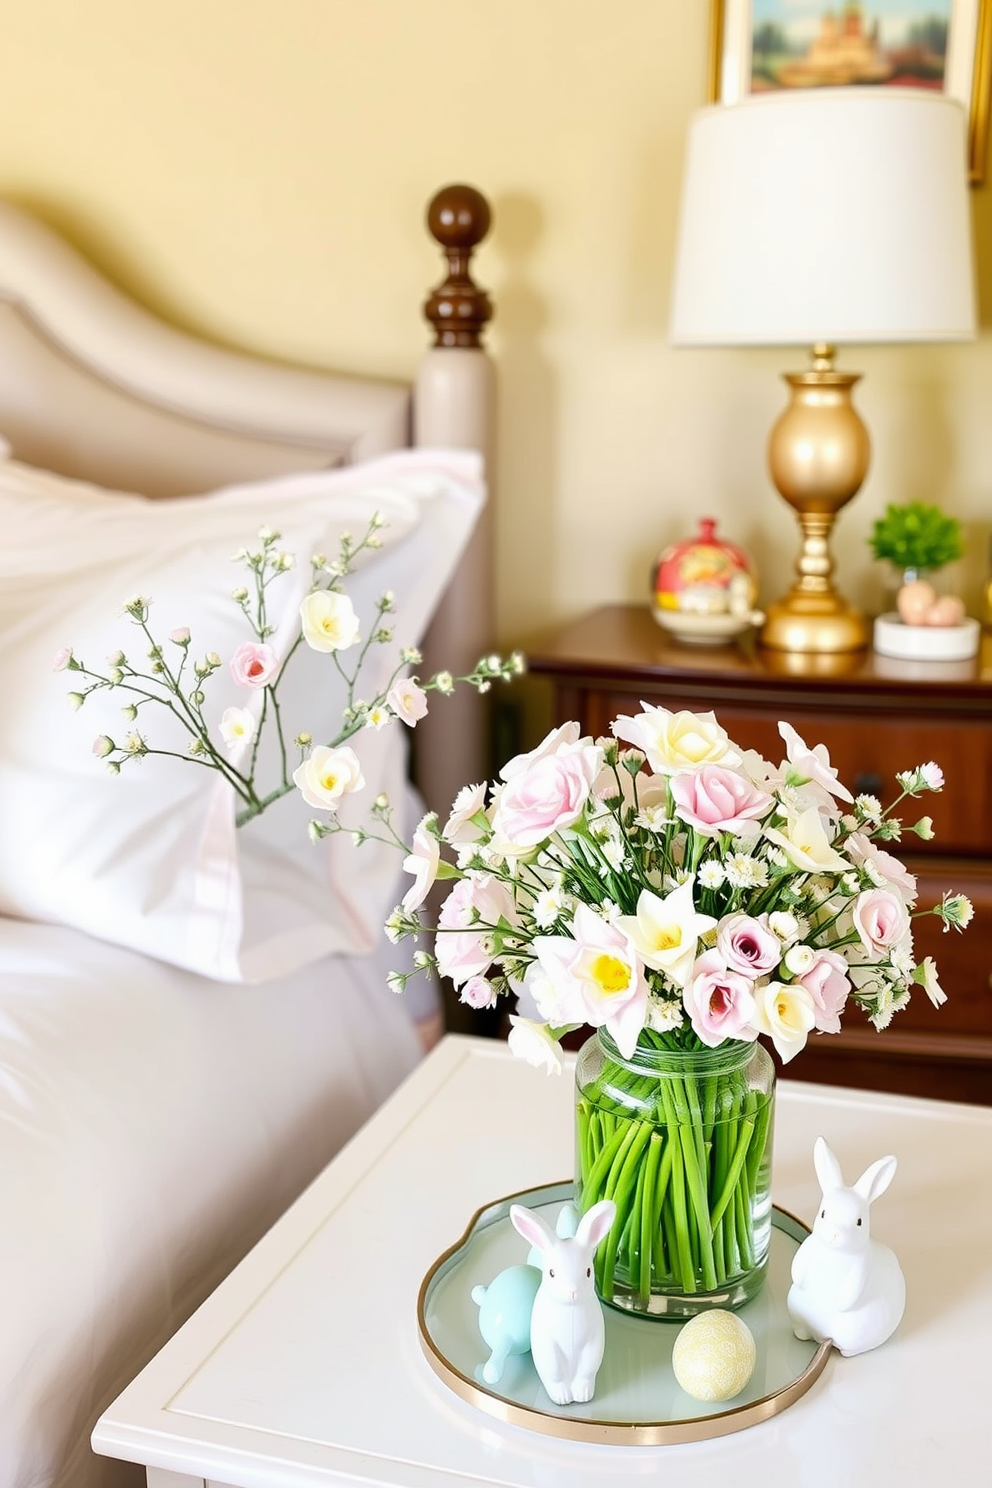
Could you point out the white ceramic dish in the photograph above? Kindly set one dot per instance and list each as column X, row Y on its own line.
column 926, row 642
column 706, row 630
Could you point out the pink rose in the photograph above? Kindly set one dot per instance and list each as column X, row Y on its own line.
column 465, row 944
column 719, row 1002
column 827, row 983
column 558, row 739
column 549, row 795
column 747, row 946
column 254, row 664
column 478, row 993
column 862, row 850
column 881, row 919
column 714, row 799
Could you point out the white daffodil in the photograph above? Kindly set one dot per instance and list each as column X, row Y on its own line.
column 805, row 843
column 813, row 764
column 596, row 976
column 786, row 1012
column 665, row 931
column 533, row 1042
column 329, row 621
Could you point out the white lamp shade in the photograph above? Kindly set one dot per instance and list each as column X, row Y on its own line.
column 838, row 215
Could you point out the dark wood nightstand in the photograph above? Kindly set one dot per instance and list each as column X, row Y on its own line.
column 876, row 716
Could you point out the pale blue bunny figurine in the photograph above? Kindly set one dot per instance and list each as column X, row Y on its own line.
column 506, row 1304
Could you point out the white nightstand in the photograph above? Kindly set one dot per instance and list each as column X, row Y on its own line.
column 305, row 1368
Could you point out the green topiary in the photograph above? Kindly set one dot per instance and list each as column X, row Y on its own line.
column 916, row 536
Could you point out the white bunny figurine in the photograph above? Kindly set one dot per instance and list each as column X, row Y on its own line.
column 846, row 1287
column 567, row 1332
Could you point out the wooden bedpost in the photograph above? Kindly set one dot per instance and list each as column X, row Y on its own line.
column 454, row 406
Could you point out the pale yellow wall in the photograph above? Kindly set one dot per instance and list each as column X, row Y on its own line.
column 257, row 170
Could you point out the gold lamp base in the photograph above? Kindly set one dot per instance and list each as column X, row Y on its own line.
column 791, row 626
column 818, row 456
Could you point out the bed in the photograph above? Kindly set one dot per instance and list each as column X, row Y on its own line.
column 168, row 1084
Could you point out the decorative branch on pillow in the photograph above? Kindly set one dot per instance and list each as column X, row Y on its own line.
column 324, row 773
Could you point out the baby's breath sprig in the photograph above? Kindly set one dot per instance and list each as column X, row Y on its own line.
column 175, row 678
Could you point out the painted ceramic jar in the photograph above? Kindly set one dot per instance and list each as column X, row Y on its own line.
column 705, row 588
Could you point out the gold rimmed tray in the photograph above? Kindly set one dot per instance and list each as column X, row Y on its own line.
column 638, row 1401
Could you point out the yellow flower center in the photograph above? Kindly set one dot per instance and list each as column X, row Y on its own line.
column 667, row 938
column 329, row 780
column 611, row 974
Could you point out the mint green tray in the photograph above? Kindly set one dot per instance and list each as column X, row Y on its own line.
column 637, row 1400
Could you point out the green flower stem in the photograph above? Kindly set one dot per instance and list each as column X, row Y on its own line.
column 683, row 1247
column 663, row 1260
column 650, row 1167
column 742, row 1217
column 734, row 1173
column 683, row 1115
column 762, row 1120
column 682, row 1156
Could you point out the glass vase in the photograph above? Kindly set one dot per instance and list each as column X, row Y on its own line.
column 682, row 1144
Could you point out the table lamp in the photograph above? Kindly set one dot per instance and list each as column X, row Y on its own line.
column 816, row 218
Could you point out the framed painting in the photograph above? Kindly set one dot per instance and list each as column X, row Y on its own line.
column 759, row 46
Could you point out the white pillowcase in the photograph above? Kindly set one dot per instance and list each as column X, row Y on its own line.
column 151, row 859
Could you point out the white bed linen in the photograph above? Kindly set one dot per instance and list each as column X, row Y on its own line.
column 152, row 859
column 152, row 1125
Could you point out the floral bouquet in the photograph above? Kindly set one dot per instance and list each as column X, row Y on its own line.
column 682, row 897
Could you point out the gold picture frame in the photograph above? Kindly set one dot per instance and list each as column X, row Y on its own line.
column 967, row 77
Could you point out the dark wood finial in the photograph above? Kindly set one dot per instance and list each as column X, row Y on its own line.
column 459, row 218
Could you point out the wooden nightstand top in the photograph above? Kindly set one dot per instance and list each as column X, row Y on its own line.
column 623, row 644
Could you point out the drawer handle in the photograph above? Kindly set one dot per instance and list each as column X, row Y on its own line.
column 867, row 783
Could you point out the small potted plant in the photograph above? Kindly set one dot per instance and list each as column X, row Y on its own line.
column 917, row 540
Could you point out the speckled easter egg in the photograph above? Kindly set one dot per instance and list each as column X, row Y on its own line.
column 714, row 1355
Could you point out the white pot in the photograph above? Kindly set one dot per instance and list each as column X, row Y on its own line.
column 926, row 642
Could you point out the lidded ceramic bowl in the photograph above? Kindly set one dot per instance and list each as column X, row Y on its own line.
column 705, row 588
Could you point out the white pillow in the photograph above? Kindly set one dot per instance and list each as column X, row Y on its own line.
column 152, row 859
